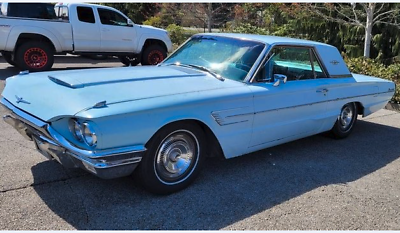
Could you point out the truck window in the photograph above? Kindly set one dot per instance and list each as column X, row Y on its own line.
column 110, row 17
column 31, row 10
column 85, row 14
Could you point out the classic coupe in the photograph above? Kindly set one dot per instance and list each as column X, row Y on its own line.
column 217, row 94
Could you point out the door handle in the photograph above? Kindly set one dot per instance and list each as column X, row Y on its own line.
column 105, row 30
column 323, row 90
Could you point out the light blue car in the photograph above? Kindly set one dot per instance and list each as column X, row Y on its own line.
column 217, row 95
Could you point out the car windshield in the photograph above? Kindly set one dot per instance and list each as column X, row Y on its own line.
column 230, row 58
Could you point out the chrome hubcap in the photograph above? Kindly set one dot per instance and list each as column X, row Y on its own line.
column 176, row 157
column 346, row 117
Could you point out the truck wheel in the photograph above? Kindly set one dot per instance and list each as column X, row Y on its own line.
column 153, row 55
column 8, row 57
column 129, row 60
column 34, row 56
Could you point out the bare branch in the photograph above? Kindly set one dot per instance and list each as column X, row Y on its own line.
column 385, row 13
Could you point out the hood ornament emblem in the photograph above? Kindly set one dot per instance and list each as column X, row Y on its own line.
column 21, row 100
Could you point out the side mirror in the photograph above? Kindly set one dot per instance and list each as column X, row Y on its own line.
column 130, row 23
column 279, row 78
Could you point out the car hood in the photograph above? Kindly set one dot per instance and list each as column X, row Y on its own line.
column 51, row 95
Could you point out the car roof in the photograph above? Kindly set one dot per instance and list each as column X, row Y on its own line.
column 271, row 40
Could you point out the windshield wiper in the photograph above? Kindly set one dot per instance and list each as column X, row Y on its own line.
column 203, row 68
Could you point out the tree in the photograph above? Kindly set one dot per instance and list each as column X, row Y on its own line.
column 210, row 14
column 364, row 15
column 138, row 12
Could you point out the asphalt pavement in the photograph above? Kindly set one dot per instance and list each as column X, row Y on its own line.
column 316, row 183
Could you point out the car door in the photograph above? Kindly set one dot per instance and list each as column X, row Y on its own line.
column 291, row 109
column 86, row 31
column 116, row 34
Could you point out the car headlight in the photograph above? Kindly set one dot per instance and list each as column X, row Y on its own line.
column 76, row 129
column 89, row 135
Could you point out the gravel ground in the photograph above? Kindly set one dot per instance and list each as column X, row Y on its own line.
column 315, row 183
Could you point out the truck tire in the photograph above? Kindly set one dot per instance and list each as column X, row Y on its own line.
column 8, row 57
column 34, row 56
column 129, row 60
column 153, row 54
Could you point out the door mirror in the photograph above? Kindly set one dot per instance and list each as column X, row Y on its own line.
column 279, row 78
column 130, row 23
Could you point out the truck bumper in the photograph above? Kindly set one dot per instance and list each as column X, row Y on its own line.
column 106, row 164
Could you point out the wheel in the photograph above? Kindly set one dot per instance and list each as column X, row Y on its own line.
column 345, row 121
column 153, row 54
column 129, row 60
column 34, row 56
column 173, row 160
column 8, row 58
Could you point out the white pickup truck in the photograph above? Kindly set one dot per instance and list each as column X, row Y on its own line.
column 32, row 33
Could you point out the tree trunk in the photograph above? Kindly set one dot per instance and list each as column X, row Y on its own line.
column 209, row 16
column 368, row 29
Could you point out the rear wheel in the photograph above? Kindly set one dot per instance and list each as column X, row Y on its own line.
column 129, row 60
column 8, row 58
column 153, row 54
column 34, row 56
column 345, row 121
column 173, row 160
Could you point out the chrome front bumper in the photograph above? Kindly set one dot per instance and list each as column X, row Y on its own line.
column 106, row 164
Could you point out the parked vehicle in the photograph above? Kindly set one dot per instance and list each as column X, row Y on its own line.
column 218, row 94
column 33, row 32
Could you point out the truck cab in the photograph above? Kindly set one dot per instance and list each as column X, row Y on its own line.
column 77, row 28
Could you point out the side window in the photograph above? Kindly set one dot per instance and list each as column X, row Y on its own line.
column 85, row 14
column 109, row 17
column 292, row 62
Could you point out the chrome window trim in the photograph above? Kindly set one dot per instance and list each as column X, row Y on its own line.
column 260, row 65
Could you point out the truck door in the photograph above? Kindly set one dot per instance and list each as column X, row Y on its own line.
column 116, row 34
column 86, row 32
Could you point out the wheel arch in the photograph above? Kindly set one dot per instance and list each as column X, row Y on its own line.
column 213, row 145
column 24, row 37
column 360, row 107
column 150, row 41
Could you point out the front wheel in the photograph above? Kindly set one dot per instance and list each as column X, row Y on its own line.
column 173, row 160
column 34, row 56
column 345, row 121
column 153, row 54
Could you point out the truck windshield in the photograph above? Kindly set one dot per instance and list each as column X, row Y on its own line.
column 231, row 58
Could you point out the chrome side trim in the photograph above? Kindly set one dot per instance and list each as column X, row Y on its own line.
column 325, row 101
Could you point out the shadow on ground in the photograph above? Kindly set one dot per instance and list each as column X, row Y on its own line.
column 70, row 62
column 228, row 190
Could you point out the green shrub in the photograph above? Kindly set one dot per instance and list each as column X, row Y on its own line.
column 372, row 67
column 177, row 34
column 248, row 29
column 154, row 21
